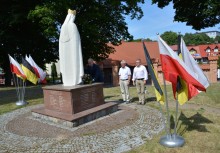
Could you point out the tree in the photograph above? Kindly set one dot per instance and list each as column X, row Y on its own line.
column 197, row 39
column 140, row 39
column 170, row 37
column 217, row 39
column 99, row 22
column 197, row 13
column 19, row 35
column 32, row 27
column 53, row 70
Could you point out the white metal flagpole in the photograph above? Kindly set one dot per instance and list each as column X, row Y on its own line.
column 173, row 140
column 164, row 119
column 164, row 140
column 176, row 115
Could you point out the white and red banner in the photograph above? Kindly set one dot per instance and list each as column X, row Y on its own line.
column 192, row 64
column 16, row 68
column 39, row 72
column 173, row 66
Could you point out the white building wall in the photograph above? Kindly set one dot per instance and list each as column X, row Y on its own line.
column 212, row 34
column 48, row 68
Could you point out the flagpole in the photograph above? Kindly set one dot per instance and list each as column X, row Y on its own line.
column 177, row 103
column 170, row 140
column 165, row 125
column 167, row 106
column 15, row 85
column 176, row 115
column 19, row 93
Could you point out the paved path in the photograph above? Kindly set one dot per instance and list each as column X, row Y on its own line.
column 130, row 127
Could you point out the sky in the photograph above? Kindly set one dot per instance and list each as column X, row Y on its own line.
column 156, row 20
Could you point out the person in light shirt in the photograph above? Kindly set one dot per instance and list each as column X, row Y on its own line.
column 139, row 79
column 124, row 81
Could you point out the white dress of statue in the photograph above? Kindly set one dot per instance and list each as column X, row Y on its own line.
column 70, row 52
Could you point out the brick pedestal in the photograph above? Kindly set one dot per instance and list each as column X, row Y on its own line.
column 75, row 103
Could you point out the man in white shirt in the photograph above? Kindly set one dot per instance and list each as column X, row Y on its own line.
column 139, row 79
column 124, row 81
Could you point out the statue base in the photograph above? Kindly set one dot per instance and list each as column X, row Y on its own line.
column 74, row 105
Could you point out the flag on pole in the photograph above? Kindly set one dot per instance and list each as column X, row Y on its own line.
column 29, row 71
column 16, row 68
column 157, row 87
column 192, row 64
column 173, row 66
column 181, row 87
column 38, row 71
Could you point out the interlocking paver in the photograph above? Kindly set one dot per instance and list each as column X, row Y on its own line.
column 115, row 133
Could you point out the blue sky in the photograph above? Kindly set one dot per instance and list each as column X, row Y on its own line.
column 156, row 20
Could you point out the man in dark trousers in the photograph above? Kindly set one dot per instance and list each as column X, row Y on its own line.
column 95, row 71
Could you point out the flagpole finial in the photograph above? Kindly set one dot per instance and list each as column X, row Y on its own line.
column 157, row 33
column 142, row 40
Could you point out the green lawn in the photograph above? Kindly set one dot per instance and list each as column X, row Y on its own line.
column 8, row 98
column 200, row 126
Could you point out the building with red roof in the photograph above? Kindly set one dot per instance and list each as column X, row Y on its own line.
column 131, row 51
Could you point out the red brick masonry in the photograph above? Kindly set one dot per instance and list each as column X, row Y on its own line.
column 72, row 103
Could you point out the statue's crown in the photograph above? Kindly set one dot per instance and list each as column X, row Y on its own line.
column 72, row 11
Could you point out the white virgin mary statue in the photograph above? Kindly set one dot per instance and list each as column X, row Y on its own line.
column 70, row 52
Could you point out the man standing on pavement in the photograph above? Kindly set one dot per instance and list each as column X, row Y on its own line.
column 139, row 79
column 124, row 81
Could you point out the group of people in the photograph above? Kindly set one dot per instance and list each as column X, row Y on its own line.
column 139, row 79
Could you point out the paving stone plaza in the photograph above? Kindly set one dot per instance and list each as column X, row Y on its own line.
column 121, row 131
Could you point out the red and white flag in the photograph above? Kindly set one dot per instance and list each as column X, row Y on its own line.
column 16, row 68
column 192, row 64
column 173, row 66
column 38, row 71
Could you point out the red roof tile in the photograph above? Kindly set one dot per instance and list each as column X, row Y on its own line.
column 131, row 51
column 203, row 48
column 174, row 47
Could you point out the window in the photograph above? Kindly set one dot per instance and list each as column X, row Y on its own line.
column 216, row 49
column 192, row 52
column 207, row 50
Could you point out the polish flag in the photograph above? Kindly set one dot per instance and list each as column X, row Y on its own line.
column 173, row 66
column 16, row 68
column 38, row 71
column 192, row 64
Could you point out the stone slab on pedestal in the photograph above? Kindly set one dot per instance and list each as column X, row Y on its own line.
column 73, row 99
column 74, row 104
column 75, row 119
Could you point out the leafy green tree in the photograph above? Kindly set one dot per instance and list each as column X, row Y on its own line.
column 217, row 39
column 197, row 39
column 32, row 27
column 148, row 39
column 21, row 36
column 197, row 13
column 170, row 37
column 99, row 22
column 140, row 39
